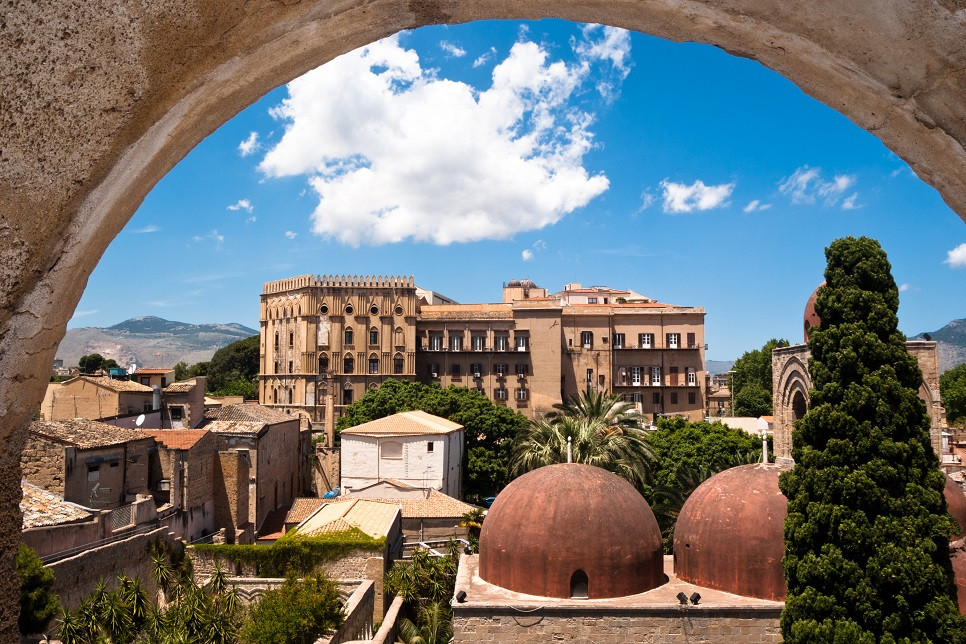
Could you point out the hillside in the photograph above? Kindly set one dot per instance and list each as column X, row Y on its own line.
column 151, row 341
column 952, row 344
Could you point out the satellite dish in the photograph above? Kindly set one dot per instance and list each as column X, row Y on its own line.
column 139, row 421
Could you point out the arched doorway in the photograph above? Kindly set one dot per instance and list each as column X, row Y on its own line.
column 799, row 405
column 162, row 79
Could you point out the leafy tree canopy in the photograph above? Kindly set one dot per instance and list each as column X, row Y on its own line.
column 753, row 369
column 952, row 387
column 489, row 433
column 866, row 538
column 237, row 361
column 298, row 612
column 37, row 603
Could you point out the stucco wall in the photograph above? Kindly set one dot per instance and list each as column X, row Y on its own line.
column 362, row 463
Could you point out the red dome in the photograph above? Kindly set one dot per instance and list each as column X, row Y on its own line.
column 956, row 503
column 556, row 523
column 730, row 533
column 811, row 317
column 957, row 556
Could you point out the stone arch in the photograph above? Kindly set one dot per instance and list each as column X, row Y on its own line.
column 171, row 77
column 323, row 362
column 348, row 363
column 791, row 383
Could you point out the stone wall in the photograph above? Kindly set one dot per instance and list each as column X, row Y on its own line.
column 75, row 577
column 48, row 540
column 43, row 464
column 652, row 626
column 230, row 492
column 328, row 472
column 359, row 617
column 433, row 529
column 277, row 475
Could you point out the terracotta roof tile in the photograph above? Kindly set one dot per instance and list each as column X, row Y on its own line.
column 112, row 383
column 435, row 505
column 233, row 427
column 42, row 508
column 81, row 432
column 250, row 412
column 372, row 518
column 176, row 438
column 407, row 423
column 153, row 371
column 181, row 387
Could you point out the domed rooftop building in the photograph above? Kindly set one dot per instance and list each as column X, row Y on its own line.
column 571, row 531
column 730, row 533
column 811, row 317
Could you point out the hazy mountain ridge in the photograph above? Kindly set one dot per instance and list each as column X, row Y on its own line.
column 151, row 341
column 952, row 344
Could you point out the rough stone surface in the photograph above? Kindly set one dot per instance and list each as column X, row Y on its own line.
column 101, row 99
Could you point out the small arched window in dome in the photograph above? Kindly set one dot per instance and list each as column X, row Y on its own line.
column 579, row 585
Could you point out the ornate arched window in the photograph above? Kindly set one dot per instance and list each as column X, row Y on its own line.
column 347, row 394
column 323, row 363
column 373, row 363
column 274, row 395
column 290, row 396
column 348, row 364
column 400, row 338
column 348, row 336
column 398, row 364
column 373, row 336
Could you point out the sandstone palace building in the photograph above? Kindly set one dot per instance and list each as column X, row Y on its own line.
column 325, row 340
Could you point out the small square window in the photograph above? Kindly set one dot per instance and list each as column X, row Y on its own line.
column 429, row 446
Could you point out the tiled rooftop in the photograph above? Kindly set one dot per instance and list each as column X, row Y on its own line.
column 233, row 427
column 407, row 423
column 176, row 438
column 153, row 371
column 81, row 432
column 416, row 503
column 373, row 518
column 42, row 508
column 249, row 412
column 181, row 387
column 112, row 383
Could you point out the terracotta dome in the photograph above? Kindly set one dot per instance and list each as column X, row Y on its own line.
column 956, row 503
column 730, row 533
column 957, row 557
column 571, row 530
column 811, row 317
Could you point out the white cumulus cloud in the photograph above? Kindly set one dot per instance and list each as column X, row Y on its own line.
column 249, row 145
column 151, row 228
column 527, row 254
column 393, row 152
column 242, row 204
column 291, row 234
column 956, row 258
column 681, row 197
column 806, row 185
column 452, row 49
column 485, row 57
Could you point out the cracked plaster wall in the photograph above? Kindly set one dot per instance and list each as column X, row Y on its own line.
column 100, row 99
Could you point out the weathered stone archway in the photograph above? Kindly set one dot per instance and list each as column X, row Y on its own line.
column 102, row 98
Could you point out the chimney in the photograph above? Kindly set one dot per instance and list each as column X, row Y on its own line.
column 156, row 398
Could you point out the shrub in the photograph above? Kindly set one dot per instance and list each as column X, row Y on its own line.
column 297, row 613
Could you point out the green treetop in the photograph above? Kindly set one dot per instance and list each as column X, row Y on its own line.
column 751, row 380
column 952, row 387
column 866, row 538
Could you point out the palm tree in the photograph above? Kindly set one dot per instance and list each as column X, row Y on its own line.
column 606, row 440
column 610, row 410
column 435, row 626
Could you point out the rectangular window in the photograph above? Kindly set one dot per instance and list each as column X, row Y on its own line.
column 646, row 340
column 93, row 473
column 456, row 343
column 590, row 377
column 499, row 393
column 373, row 365
column 290, row 368
column 656, row 398
column 674, row 398
column 691, row 398
column 500, row 368
column 692, row 377
column 673, row 340
column 479, row 341
column 690, row 338
column 523, row 343
column 176, row 412
column 477, row 369
column 429, row 446
column 434, row 370
column 164, row 382
column 655, row 376
column 674, row 376
column 587, row 339
column 636, row 376
column 435, row 343
column 622, row 376
column 618, row 340
column 591, row 300
column 391, row 449
column 454, row 370
column 521, row 393
column 145, row 380
column 637, row 398
column 397, row 366
column 291, row 339
column 522, row 369
column 502, row 342
column 373, row 337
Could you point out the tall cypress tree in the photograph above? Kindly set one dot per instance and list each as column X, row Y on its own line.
column 866, row 538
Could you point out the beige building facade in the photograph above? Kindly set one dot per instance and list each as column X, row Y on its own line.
column 529, row 352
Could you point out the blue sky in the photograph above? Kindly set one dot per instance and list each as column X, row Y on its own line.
column 471, row 155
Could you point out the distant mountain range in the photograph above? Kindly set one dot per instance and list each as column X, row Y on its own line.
column 150, row 341
column 714, row 367
column 952, row 344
